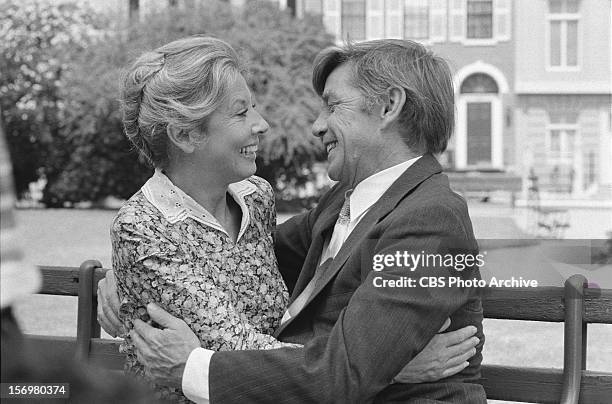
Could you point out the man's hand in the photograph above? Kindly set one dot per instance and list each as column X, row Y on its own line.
column 108, row 305
column 445, row 355
column 163, row 352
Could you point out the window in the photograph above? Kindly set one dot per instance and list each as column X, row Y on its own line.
column 353, row 20
column 479, row 19
column 479, row 83
column 313, row 7
column 563, row 34
column 561, row 139
column 416, row 19
column 479, row 22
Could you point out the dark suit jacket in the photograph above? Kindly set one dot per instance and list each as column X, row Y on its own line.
column 357, row 336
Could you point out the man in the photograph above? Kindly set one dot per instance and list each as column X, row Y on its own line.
column 358, row 305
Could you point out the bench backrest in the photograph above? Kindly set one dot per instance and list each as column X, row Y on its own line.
column 574, row 304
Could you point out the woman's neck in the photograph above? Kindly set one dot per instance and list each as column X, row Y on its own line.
column 209, row 192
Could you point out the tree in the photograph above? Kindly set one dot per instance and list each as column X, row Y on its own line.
column 79, row 144
column 37, row 39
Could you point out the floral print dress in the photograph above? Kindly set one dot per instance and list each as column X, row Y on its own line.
column 169, row 250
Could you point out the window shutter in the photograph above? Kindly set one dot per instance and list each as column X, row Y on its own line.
column 394, row 16
column 375, row 19
column 457, row 20
column 437, row 20
column 501, row 19
column 331, row 17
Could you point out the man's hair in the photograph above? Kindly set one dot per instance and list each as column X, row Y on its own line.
column 427, row 118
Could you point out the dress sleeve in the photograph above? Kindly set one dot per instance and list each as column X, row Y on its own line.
column 152, row 266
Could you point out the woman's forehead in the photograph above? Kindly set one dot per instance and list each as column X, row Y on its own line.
column 238, row 91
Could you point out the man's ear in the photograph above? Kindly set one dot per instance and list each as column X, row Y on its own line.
column 180, row 138
column 393, row 105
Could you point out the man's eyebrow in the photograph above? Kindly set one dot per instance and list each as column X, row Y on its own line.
column 327, row 94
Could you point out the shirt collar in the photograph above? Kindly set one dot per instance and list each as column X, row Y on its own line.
column 369, row 191
column 175, row 205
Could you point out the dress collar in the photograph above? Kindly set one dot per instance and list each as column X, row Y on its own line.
column 175, row 205
column 369, row 191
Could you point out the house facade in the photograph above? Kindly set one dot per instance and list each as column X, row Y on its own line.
column 563, row 95
column 532, row 79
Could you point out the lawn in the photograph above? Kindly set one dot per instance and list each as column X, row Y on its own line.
column 68, row 237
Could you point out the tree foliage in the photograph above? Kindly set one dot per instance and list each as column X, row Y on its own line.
column 36, row 38
column 59, row 89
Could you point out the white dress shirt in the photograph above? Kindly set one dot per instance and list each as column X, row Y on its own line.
column 364, row 196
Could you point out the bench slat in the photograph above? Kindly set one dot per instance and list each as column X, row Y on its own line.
column 541, row 385
column 544, row 304
column 103, row 352
column 64, row 281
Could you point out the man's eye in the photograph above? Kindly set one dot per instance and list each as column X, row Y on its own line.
column 331, row 108
column 243, row 112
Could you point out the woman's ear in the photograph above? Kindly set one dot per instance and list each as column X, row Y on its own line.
column 180, row 138
column 393, row 105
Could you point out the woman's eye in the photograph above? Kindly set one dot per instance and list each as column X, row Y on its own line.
column 331, row 108
column 243, row 113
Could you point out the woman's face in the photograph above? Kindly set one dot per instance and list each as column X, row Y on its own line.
column 232, row 135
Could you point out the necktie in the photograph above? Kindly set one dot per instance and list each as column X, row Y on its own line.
column 344, row 217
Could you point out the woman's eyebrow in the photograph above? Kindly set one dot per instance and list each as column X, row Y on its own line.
column 240, row 102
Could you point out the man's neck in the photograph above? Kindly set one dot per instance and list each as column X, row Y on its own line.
column 382, row 162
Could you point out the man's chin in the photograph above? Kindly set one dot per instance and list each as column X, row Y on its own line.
column 333, row 174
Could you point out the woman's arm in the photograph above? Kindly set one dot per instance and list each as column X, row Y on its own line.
column 150, row 268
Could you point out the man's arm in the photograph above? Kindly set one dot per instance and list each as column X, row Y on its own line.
column 291, row 243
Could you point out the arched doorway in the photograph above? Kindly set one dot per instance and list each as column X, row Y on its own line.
column 479, row 117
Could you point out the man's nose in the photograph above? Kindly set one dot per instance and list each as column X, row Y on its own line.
column 261, row 126
column 319, row 127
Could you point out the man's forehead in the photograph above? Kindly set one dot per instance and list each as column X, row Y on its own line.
column 338, row 83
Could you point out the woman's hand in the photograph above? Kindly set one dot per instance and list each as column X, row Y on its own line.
column 108, row 305
column 445, row 355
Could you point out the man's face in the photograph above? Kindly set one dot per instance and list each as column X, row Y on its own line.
column 349, row 133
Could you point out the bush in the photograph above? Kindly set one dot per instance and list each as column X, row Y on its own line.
column 37, row 39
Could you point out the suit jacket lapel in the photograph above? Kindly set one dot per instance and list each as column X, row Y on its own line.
column 321, row 230
column 424, row 168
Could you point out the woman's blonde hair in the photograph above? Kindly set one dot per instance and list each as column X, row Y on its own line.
column 180, row 84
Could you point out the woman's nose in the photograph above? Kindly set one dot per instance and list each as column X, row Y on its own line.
column 261, row 126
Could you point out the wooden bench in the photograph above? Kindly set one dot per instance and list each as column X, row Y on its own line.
column 575, row 305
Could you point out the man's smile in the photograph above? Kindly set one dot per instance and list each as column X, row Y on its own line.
column 330, row 146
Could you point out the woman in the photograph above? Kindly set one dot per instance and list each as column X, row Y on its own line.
column 196, row 238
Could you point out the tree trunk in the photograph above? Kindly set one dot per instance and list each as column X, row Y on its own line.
column 134, row 10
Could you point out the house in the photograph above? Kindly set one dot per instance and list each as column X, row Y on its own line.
column 563, row 95
column 532, row 80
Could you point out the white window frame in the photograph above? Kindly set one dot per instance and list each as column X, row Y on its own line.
column 461, row 149
column 398, row 15
column 501, row 9
column 564, row 147
column 563, row 18
column 574, row 152
column 424, row 41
